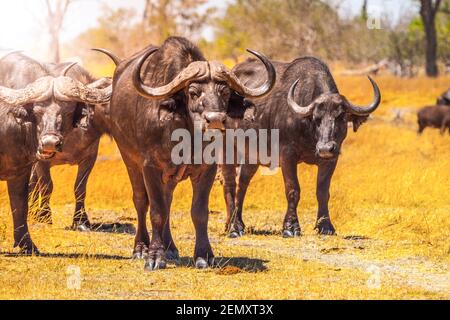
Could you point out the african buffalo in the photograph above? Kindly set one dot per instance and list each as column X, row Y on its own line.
column 435, row 117
column 37, row 111
column 311, row 116
column 444, row 98
column 180, row 90
column 80, row 148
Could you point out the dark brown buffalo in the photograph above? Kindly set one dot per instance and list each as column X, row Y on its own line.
column 312, row 116
column 80, row 148
column 179, row 87
column 37, row 111
column 444, row 99
column 435, row 117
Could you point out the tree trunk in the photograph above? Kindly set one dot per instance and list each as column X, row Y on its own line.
column 55, row 20
column 54, row 45
column 146, row 14
column 428, row 11
column 364, row 15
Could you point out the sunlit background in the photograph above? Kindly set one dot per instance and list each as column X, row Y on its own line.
column 23, row 23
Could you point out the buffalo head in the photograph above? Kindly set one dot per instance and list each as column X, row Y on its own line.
column 330, row 113
column 207, row 86
column 52, row 102
column 444, row 99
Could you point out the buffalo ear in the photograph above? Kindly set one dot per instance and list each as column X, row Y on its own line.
column 357, row 121
column 249, row 113
column 82, row 117
column 167, row 109
column 20, row 114
column 241, row 108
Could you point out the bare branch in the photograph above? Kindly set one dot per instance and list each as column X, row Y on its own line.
column 55, row 20
column 436, row 6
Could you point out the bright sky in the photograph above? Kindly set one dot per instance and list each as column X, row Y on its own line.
column 21, row 24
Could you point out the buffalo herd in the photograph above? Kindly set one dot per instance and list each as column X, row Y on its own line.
column 54, row 114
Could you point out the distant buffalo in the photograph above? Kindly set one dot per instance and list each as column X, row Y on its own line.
column 80, row 148
column 37, row 111
column 435, row 117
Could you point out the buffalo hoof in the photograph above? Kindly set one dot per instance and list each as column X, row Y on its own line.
column 325, row 227
column 140, row 251
column 29, row 249
column 44, row 216
column 291, row 231
column 291, row 234
column 81, row 222
column 152, row 265
column 155, row 261
column 84, row 227
column 236, row 230
column 201, row 263
column 236, row 234
column 172, row 254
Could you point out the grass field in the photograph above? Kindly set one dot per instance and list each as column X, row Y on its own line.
column 390, row 204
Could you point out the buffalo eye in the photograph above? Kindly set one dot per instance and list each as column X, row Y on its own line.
column 317, row 120
column 38, row 110
column 340, row 116
column 19, row 113
column 222, row 88
column 194, row 94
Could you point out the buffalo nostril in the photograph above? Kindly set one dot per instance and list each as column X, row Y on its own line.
column 215, row 117
column 326, row 150
column 51, row 144
column 59, row 146
column 328, row 147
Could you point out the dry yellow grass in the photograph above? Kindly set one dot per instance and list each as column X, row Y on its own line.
column 391, row 192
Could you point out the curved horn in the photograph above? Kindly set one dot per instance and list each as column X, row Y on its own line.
column 111, row 55
column 263, row 90
column 366, row 110
column 195, row 70
column 303, row 112
column 67, row 68
column 101, row 83
column 91, row 93
column 69, row 89
column 38, row 91
column 271, row 78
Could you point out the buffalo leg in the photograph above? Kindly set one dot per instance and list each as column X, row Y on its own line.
column 169, row 244
column 203, row 254
column 140, row 200
column 80, row 218
column 159, row 214
column 445, row 125
column 422, row 127
column 324, row 175
column 18, row 196
column 443, row 128
column 291, row 225
column 229, row 191
column 237, row 226
column 40, row 191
